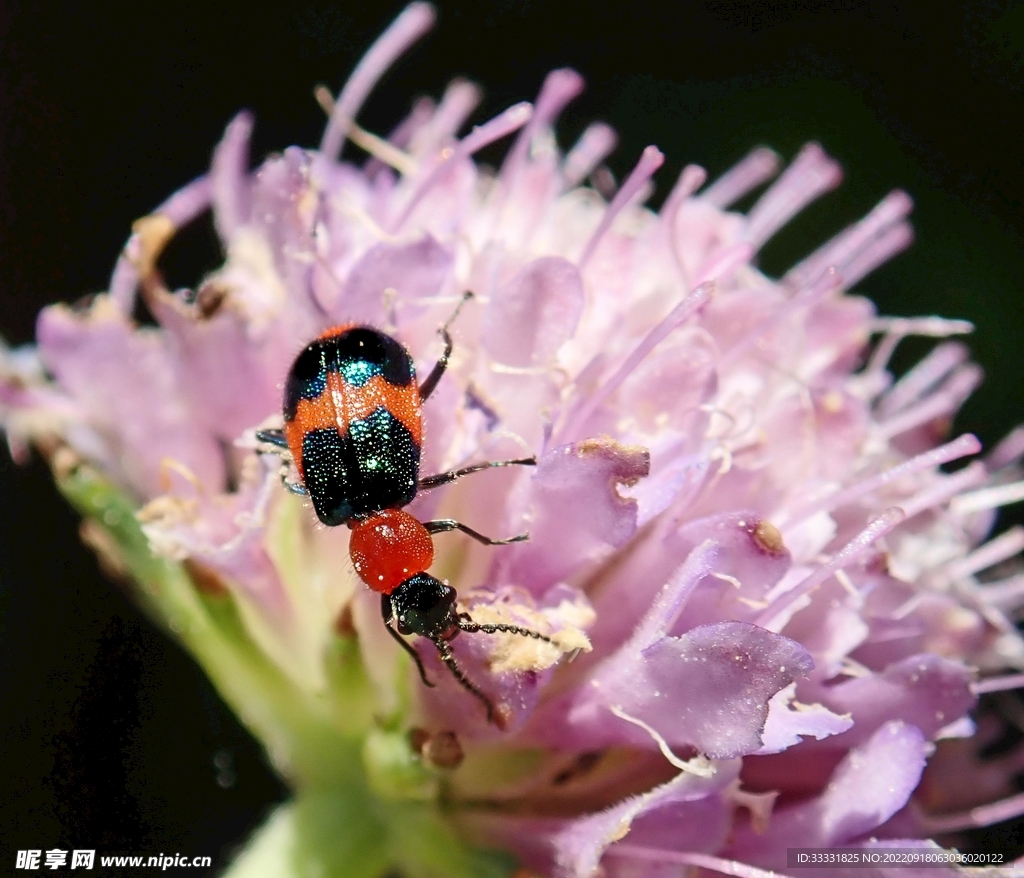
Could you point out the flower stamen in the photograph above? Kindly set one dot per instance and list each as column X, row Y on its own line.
column 988, row 498
column 413, row 22
column 512, row 119
column 853, row 242
column 700, row 766
column 367, row 141
column 1003, row 547
column 651, row 159
column 958, row 448
column 757, row 167
column 596, row 142
column 998, row 684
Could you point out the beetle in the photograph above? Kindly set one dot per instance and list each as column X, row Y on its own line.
column 353, row 426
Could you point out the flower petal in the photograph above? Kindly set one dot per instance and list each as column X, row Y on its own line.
column 711, row 686
column 116, row 372
column 577, row 515
column 406, row 275
column 528, row 319
column 580, row 846
column 232, row 378
column 926, row 690
column 789, row 720
column 871, row 784
column 708, row 689
column 750, row 560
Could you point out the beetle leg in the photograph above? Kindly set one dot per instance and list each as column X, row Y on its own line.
column 272, row 437
column 450, row 476
column 386, row 613
column 446, row 656
column 449, row 524
column 427, row 387
column 293, row 487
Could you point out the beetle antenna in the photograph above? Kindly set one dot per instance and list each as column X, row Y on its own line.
column 466, row 296
column 466, row 623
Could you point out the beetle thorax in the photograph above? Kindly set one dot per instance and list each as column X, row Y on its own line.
column 388, row 548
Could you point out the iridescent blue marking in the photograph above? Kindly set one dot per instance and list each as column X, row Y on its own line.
column 358, row 372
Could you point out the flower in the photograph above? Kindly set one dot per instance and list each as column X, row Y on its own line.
column 766, row 600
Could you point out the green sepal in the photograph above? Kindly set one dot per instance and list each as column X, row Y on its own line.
column 308, row 737
column 345, row 834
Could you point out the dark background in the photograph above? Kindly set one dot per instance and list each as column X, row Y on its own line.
column 112, row 738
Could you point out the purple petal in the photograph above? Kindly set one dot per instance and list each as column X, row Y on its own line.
column 751, row 560
column 529, row 318
column 667, row 606
column 232, row 379
column 701, row 824
column 580, row 846
column 127, row 382
column 871, row 784
column 223, row 536
column 731, row 319
column 236, row 343
column 657, row 399
column 594, row 390
column 283, row 214
column 838, row 328
column 222, row 532
column 892, row 635
column 577, row 515
column 925, row 690
column 708, row 689
column 786, row 726
column 829, row 628
column 703, row 235
column 415, row 272
column 668, row 387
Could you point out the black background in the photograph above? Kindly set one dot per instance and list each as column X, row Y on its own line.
column 110, row 732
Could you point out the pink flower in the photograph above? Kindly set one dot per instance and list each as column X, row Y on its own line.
column 765, row 599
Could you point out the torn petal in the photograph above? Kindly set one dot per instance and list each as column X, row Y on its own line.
column 789, row 721
column 576, row 514
column 925, row 690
